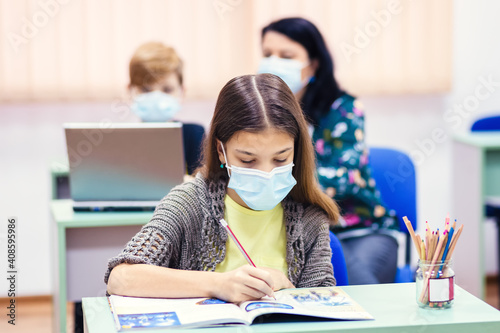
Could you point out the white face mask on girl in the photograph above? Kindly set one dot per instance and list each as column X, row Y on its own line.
column 155, row 106
column 260, row 190
column 289, row 70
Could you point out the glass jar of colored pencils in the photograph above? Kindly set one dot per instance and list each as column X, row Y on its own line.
column 435, row 282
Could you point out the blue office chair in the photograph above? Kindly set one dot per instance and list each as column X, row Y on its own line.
column 338, row 261
column 486, row 124
column 192, row 137
column 491, row 124
column 394, row 174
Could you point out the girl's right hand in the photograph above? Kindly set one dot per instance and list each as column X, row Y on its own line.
column 244, row 284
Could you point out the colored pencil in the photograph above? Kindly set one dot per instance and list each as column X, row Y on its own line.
column 454, row 242
column 434, row 248
column 412, row 233
column 237, row 242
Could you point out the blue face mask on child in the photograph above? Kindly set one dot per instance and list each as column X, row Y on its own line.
column 155, row 106
column 288, row 70
column 261, row 190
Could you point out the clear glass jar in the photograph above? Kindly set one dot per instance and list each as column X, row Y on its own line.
column 435, row 284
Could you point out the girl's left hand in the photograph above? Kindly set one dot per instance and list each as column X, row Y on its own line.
column 358, row 180
column 279, row 279
column 379, row 211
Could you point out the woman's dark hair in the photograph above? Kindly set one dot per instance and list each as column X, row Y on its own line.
column 254, row 103
column 323, row 90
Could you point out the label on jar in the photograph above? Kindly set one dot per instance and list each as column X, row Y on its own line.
column 442, row 289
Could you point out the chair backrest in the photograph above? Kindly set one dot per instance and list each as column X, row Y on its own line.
column 394, row 174
column 486, row 124
column 338, row 261
column 192, row 135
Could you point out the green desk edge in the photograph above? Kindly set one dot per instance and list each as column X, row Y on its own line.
column 393, row 306
column 66, row 218
column 480, row 139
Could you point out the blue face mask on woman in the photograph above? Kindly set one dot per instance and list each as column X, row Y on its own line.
column 288, row 70
column 260, row 190
column 155, row 106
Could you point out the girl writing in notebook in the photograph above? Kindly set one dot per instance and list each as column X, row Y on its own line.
column 258, row 175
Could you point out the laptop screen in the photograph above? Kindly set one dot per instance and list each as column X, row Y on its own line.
column 124, row 161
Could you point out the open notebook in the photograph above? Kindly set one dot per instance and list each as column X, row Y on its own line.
column 132, row 313
column 125, row 166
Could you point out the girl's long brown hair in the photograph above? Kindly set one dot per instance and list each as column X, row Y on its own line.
column 254, row 103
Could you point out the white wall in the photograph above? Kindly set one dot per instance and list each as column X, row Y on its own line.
column 407, row 122
column 31, row 137
column 477, row 58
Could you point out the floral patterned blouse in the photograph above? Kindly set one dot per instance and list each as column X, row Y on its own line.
column 344, row 173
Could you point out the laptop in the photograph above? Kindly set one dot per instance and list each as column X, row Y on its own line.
column 123, row 166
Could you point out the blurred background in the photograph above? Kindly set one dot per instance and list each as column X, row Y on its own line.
column 416, row 66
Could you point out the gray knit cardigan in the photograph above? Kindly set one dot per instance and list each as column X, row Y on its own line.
column 184, row 233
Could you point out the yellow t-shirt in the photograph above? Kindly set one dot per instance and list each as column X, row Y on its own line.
column 261, row 233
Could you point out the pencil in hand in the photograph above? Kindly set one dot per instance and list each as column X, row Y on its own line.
column 238, row 244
